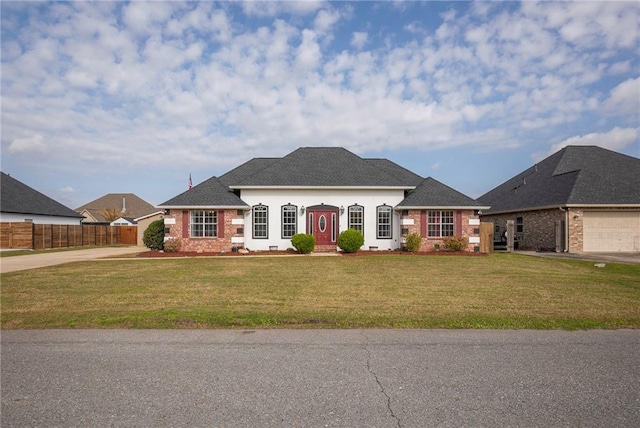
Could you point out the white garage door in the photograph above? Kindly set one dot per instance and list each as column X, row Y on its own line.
column 612, row 231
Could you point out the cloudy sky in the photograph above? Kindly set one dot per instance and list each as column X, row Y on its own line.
column 109, row 97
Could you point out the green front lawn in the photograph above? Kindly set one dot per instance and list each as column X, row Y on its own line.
column 385, row 291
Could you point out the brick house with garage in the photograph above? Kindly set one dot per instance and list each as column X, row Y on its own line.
column 580, row 199
column 322, row 191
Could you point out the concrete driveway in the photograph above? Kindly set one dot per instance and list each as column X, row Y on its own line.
column 33, row 261
column 320, row 378
column 627, row 258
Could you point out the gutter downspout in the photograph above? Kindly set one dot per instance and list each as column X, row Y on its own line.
column 566, row 229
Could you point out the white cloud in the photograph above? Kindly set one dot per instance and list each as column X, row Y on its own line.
column 28, row 145
column 359, row 39
column 616, row 139
column 625, row 98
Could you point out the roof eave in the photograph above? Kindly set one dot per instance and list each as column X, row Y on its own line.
column 205, row 207
column 247, row 187
column 563, row 206
column 442, row 207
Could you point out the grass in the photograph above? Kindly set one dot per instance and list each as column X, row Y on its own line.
column 500, row 291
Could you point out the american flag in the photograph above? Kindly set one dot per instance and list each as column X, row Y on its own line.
column 190, row 182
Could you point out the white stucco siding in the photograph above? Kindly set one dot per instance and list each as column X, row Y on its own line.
column 38, row 219
column 275, row 199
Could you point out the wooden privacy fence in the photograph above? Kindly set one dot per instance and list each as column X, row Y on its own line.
column 46, row 236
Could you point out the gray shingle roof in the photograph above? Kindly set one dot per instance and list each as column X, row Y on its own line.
column 210, row 193
column 323, row 167
column 432, row 193
column 575, row 175
column 19, row 198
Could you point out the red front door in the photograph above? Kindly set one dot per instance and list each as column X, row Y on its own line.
column 323, row 224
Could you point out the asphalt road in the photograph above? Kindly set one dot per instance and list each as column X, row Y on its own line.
column 320, row 378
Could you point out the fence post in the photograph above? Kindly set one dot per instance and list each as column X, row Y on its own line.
column 510, row 235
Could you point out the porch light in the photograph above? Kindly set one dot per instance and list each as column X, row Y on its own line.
column 341, row 209
column 302, row 210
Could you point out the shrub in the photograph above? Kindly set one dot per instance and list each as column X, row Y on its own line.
column 303, row 242
column 172, row 245
column 153, row 236
column 454, row 243
column 413, row 242
column 350, row 240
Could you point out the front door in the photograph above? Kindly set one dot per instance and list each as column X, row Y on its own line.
column 323, row 224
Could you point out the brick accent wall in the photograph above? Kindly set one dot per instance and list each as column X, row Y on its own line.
column 223, row 242
column 461, row 228
column 539, row 228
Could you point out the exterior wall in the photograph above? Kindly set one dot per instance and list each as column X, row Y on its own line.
column 275, row 199
column 143, row 224
column 466, row 224
column 539, row 228
column 38, row 219
column 228, row 236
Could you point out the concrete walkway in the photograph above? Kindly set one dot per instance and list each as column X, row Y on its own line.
column 33, row 261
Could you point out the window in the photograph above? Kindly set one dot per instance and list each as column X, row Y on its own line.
column 289, row 220
column 356, row 218
column 384, row 222
column 439, row 224
column 519, row 224
column 204, row 224
column 260, row 222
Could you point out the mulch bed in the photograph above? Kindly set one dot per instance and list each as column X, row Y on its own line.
column 159, row 254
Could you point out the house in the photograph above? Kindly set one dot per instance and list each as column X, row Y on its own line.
column 322, row 191
column 580, row 199
column 113, row 206
column 21, row 203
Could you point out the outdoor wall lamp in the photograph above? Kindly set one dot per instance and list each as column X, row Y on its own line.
column 341, row 209
column 302, row 210
column 576, row 216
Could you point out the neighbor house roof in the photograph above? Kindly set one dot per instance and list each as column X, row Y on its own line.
column 324, row 167
column 573, row 176
column 211, row 193
column 125, row 203
column 19, row 198
column 430, row 193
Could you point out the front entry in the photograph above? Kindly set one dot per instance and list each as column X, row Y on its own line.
column 322, row 222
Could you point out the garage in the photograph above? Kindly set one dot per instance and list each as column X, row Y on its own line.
column 611, row 231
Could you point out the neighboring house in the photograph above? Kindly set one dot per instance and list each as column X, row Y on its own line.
column 112, row 206
column 580, row 199
column 21, row 203
column 144, row 222
column 322, row 191
column 124, row 221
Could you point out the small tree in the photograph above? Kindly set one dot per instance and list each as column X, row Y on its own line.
column 303, row 242
column 350, row 240
column 413, row 242
column 153, row 236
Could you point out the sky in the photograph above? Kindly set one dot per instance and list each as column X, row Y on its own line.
column 134, row 97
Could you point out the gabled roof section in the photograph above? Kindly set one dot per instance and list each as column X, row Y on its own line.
column 246, row 170
column 432, row 193
column 19, row 198
column 211, row 193
column 321, row 167
column 407, row 177
column 128, row 204
column 575, row 175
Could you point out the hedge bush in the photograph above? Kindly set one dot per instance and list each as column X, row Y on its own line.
column 153, row 236
column 454, row 243
column 303, row 242
column 413, row 242
column 350, row 240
